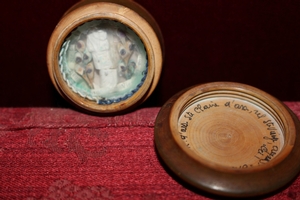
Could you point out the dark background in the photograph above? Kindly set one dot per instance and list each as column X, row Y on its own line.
column 252, row 42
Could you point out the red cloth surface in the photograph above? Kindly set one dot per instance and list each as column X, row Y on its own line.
column 54, row 153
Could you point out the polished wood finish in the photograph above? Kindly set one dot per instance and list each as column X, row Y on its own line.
column 229, row 139
column 126, row 12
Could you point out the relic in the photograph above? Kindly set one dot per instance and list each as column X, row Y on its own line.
column 105, row 56
column 229, row 139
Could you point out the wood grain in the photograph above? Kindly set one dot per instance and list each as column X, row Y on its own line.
column 229, row 139
column 128, row 13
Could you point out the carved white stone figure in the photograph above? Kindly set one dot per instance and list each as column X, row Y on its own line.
column 98, row 45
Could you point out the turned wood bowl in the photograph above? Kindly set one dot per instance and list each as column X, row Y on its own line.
column 105, row 56
column 229, row 139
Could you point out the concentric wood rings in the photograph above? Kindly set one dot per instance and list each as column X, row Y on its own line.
column 229, row 139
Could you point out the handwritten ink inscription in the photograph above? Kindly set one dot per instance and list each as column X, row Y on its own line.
column 271, row 138
column 264, row 154
column 201, row 108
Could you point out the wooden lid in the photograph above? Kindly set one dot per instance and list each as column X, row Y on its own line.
column 229, row 139
column 105, row 56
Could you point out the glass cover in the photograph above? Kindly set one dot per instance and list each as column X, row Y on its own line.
column 104, row 61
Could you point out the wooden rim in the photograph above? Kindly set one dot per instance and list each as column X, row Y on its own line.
column 110, row 11
column 216, row 178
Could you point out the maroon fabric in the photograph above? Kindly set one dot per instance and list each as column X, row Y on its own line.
column 254, row 42
column 53, row 153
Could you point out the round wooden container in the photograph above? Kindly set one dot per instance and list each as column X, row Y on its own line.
column 105, row 56
column 229, row 139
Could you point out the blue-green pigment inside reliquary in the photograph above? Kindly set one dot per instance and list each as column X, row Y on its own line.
column 104, row 61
